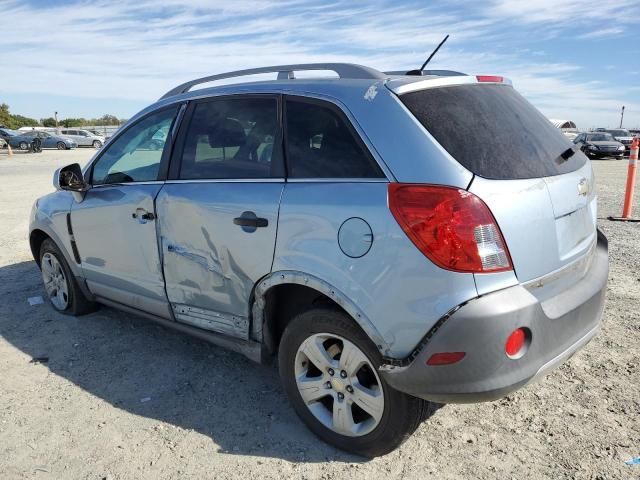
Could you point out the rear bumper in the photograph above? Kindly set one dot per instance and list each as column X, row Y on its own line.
column 559, row 325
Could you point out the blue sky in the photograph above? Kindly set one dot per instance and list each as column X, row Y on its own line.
column 575, row 59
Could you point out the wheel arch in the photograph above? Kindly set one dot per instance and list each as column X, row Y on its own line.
column 36, row 239
column 38, row 235
column 271, row 312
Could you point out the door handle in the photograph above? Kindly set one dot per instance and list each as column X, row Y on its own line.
column 249, row 221
column 142, row 215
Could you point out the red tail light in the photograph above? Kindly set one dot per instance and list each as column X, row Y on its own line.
column 451, row 227
column 490, row 78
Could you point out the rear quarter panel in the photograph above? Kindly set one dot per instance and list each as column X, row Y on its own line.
column 396, row 287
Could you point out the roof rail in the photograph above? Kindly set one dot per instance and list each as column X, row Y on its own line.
column 426, row 73
column 285, row 72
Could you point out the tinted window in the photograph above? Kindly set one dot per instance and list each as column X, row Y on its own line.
column 232, row 138
column 136, row 154
column 322, row 144
column 494, row 132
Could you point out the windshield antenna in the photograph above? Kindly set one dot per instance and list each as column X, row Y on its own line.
column 419, row 72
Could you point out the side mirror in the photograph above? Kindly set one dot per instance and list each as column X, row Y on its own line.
column 70, row 178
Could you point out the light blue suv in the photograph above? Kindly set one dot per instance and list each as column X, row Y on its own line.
column 393, row 239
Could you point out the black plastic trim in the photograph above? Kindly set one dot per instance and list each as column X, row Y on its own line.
column 74, row 246
column 403, row 362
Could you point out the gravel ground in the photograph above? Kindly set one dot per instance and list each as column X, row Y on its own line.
column 121, row 398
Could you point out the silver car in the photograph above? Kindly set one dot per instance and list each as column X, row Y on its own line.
column 390, row 239
column 84, row 138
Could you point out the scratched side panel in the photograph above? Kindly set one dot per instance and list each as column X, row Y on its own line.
column 118, row 251
column 210, row 264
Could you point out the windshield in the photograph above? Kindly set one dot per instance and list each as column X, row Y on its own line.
column 494, row 132
column 600, row 137
column 619, row 133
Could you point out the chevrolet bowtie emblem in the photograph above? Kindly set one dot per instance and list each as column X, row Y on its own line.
column 583, row 187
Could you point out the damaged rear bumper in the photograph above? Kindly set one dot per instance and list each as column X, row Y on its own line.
column 559, row 324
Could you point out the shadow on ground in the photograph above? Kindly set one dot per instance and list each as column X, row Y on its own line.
column 154, row 372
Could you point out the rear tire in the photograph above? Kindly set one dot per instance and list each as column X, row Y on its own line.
column 395, row 415
column 23, row 146
column 61, row 146
column 60, row 283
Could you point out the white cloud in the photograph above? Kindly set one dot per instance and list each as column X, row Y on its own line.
column 604, row 32
column 139, row 50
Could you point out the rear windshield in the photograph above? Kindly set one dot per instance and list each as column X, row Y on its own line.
column 494, row 132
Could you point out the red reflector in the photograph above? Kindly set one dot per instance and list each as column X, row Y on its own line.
column 445, row 358
column 490, row 78
column 451, row 227
column 515, row 342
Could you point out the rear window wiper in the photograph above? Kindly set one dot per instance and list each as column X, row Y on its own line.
column 566, row 155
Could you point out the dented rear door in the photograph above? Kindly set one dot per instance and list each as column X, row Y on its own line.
column 210, row 263
column 217, row 218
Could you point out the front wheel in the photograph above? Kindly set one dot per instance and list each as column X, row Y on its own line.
column 61, row 146
column 329, row 369
column 60, row 284
column 23, row 146
column 97, row 144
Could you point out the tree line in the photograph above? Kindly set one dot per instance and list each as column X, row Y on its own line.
column 9, row 120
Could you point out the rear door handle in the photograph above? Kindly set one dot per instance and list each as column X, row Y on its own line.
column 142, row 215
column 250, row 220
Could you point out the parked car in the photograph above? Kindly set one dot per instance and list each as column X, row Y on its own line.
column 48, row 140
column 634, row 131
column 571, row 134
column 6, row 133
column 84, row 138
column 408, row 265
column 623, row 136
column 599, row 145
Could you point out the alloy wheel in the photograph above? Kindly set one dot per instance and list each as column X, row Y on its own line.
column 55, row 281
column 339, row 384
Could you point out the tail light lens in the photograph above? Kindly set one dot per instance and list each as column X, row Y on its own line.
column 451, row 227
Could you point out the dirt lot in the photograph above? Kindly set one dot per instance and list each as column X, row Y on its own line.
column 121, row 398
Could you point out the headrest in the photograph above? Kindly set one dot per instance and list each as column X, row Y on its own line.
column 228, row 132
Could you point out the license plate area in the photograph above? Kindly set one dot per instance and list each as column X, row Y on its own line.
column 574, row 232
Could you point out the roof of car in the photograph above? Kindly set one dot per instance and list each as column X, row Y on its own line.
column 347, row 74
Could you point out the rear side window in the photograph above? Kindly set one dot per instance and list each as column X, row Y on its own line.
column 321, row 143
column 232, row 138
column 494, row 132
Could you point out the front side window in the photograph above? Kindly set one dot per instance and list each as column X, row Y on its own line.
column 135, row 155
column 322, row 144
column 232, row 138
